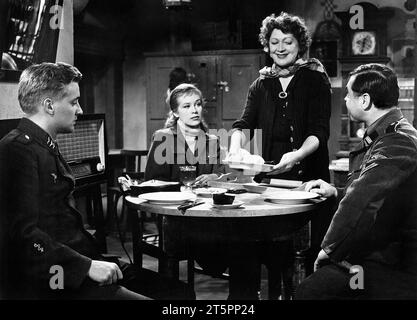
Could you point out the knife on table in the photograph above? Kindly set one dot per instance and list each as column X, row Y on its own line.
column 189, row 205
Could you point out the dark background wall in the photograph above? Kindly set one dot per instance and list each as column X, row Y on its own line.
column 147, row 25
column 111, row 37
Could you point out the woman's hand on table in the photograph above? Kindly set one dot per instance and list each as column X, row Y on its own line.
column 322, row 188
column 321, row 260
column 287, row 162
column 204, row 178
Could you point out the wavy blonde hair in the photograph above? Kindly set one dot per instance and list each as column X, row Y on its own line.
column 181, row 90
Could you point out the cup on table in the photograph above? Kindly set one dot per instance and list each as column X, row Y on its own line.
column 188, row 174
column 223, row 198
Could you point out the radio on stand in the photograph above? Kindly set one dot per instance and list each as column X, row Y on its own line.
column 85, row 151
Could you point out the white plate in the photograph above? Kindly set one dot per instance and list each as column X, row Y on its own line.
column 207, row 192
column 236, row 204
column 226, row 185
column 157, row 183
column 167, row 197
column 249, row 166
column 283, row 183
column 255, row 187
column 290, row 197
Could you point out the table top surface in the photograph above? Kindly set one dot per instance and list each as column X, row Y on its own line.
column 254, row 205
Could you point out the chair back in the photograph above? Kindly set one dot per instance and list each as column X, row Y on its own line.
column 133, row 160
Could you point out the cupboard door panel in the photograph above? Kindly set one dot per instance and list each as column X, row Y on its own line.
column 210, row 72
column 238, row 72
column 227, row 124
column 204, row 74
column 210, row 116
column 157, row 84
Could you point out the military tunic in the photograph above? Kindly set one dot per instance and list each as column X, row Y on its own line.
column 376, row 222
column 44, row 227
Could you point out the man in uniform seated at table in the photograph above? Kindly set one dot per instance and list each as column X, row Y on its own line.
column 370, row 248
column 43, row 232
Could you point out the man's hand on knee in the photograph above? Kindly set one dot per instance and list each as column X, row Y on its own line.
column 104, row 273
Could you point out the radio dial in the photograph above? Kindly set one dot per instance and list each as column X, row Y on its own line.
column 100, row 167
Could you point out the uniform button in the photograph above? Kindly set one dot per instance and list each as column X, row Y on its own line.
column 300, row 172
column 38, row 247
column 27, row 137
column 283, row 115
column 291, row 128
column 291, row 140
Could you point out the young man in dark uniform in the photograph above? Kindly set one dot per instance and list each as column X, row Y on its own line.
column 43, row 232
column 370, row 248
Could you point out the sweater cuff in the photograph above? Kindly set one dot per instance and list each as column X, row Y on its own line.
column 75, row 278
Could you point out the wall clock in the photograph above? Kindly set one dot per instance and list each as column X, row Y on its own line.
column 363, row 43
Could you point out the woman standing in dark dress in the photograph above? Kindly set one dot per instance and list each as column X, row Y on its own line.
column 290, row 102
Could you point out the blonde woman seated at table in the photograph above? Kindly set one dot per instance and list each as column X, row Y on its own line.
column 185, row 141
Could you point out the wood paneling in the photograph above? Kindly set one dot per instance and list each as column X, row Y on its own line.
column 209, row 71
column 239, row 72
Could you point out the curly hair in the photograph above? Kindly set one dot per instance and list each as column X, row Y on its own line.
column 287, row 23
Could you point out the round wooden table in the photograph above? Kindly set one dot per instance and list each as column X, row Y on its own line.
column 254, row 205
column 257, row 220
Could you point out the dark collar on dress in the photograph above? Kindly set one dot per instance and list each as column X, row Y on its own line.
column 33, row 131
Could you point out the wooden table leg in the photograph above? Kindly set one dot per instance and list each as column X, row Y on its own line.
column 190, row 272
column 99, row 218
column 137, row 233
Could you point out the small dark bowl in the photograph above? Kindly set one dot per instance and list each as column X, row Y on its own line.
column 223, row 198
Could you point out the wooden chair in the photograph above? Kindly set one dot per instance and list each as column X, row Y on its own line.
column 128, row 162
column 133, row 162
column 142, row 245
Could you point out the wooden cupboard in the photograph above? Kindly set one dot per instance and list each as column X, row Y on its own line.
column 223, row 77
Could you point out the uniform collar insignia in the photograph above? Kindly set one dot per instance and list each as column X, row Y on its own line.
column 30, row 128
column 51, row 142
column 380, row 126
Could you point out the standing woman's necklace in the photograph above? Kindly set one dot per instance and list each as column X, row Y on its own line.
column 284, row 84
